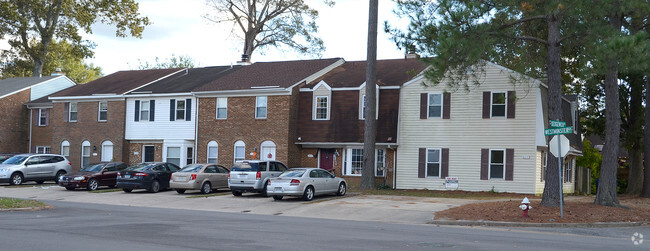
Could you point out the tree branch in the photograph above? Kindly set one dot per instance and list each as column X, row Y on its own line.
column 529, row 38
column 523, row 20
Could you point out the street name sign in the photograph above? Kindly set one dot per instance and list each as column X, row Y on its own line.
column 557, row 131
column 556, row 124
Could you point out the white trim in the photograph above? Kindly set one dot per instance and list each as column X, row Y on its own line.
column 166, row 76
column 243, row 93
column 322, row 83
column 320, row 73
column 442, row 104
column 179, row 94
column 143, row 152
column 216, row 104
column 266, row 107
column 65, row 143
column 383, row 160
column 489, row 174
column 315, row 108
column 390, row 87
column 40, row 114
column 99, row 111
column 212, row 143
column 505, row 106
column 238, row 143
column 426, row 163
column 104, row 145
column 84, row 144
column 85, row 98
column 70, row 112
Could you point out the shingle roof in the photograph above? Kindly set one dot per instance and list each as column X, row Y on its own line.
column 282, row 74
column 10, row 85
column 392, row 72
column 116, row 83
column 189, row 79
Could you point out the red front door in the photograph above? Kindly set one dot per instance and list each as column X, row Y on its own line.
column 326, row 159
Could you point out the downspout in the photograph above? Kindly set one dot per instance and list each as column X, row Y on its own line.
column 196, row 131
column 394, row 168
column 31, row 117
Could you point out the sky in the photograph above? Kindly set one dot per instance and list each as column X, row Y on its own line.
column 178, row 28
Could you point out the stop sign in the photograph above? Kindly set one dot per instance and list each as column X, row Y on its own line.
column 564, row 142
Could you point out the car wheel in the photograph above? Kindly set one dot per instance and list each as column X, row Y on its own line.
column 58, row 175
column 308, row 194
column 263, row 192
column 277, row 197
column 92, row 185
column 342, row 189
column 69, row 188
column 180, row 191
column 236, row 193
column 127, row 190
column 16, row 179
column 155, row 187
column 206, row 188
column 40, row 182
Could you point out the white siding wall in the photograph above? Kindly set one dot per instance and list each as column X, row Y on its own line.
column 161, row 127
column 466, row 133
column 50, row 87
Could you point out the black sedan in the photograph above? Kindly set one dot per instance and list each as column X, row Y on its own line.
column 153, row 176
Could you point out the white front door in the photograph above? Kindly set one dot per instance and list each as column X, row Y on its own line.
column 268, row 153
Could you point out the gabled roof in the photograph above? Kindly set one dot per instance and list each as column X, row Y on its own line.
column 189, row 79
column 391, row 72
column 117, row 83
column 11, row 85
column 282, row 74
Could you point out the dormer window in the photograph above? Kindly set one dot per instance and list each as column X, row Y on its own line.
column 322, row 108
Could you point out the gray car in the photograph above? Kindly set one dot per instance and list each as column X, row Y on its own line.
column 33, row 167
column 306, row 183
column 203, row 177
column 253, row 175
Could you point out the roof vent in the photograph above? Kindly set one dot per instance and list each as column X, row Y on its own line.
column 245, row 60
column 57, row 72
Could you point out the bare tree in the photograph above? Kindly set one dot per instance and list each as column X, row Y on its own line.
column 276, row 23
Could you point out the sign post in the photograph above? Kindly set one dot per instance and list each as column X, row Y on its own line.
column 559, row 128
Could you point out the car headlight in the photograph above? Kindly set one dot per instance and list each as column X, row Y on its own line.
column 79, row 178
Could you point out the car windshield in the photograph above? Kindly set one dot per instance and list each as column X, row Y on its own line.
column 293, row 173
column 245, row 167
column 15, row 160
column 141, row 167
column 191, row 169
column 93, row 168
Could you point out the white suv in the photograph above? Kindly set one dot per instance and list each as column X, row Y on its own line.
column 36, row 167
column 253, row 175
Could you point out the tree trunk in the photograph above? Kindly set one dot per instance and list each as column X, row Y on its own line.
column 634, row 136
column 646, row 142
column 552, row 187
column 38, row 67
column 606, row 195
column 635, row 178
column 370, row 125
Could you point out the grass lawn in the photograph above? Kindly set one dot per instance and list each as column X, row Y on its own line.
column 10, row 203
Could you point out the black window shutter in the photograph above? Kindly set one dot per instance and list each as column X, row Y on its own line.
column 172, row 109
column 152, row 109
column 485, row 155
column 422, row 158
column 445, row 163
column 511, row 104
column 137, row 111
column 510, row 163
column 446, row 107
column 486, row 105
column 424, row 98
column 188, row 109
column 66, row 109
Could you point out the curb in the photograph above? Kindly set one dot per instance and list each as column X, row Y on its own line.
column 532, row 224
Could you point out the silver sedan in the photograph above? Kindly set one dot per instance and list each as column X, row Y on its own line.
column 203, row 177
column 305, row 183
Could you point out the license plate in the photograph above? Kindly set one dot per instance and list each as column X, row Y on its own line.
column 127, row 176
column 64, row 182
column 181, row 179
column 277, row 189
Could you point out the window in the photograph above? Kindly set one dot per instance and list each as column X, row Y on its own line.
column 180, row 109
column 174, row 155
column 222, row 108
column 213, row 152
column 43, row 117
column 544, row 161
column 499, row 104
column 497, row 164
column 568, row 170
column 144, row 110
column 65, row 149
column 190, row 156
column 356, row 162
column 380, row 165
column 43, row 149
column 363, row 107
column 322, row 108
column 260, row 107
column 433, row 162
column 107, row 151
column 73, row 112
column 240, row 151
column 435, row 105
column 103, row 111
column 85, row 153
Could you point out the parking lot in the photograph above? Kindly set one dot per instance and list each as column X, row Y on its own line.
column 394, row 209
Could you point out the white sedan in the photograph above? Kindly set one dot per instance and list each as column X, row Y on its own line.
column 305, row 183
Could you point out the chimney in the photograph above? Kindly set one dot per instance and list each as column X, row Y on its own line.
column 57, row 72
column 244, row 60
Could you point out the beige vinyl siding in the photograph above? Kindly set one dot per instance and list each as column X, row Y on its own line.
column 466, row 133
column 539, row 184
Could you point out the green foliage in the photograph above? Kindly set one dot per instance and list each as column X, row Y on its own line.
column 172, row 62
column 62, row 55
column 24, row 21
column 591, row 158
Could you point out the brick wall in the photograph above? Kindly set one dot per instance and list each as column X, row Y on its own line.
column 41, row 135
column 242, row 125
column 88, row 128
column 14, row 123
column 138, row 147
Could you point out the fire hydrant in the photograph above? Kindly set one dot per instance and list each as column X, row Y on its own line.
column 525, row 206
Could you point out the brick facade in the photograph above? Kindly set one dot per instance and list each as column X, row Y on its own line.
column 41, row 135
column 242, row 125
column 139, row 148
column 14, row 123
column 88, row 128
